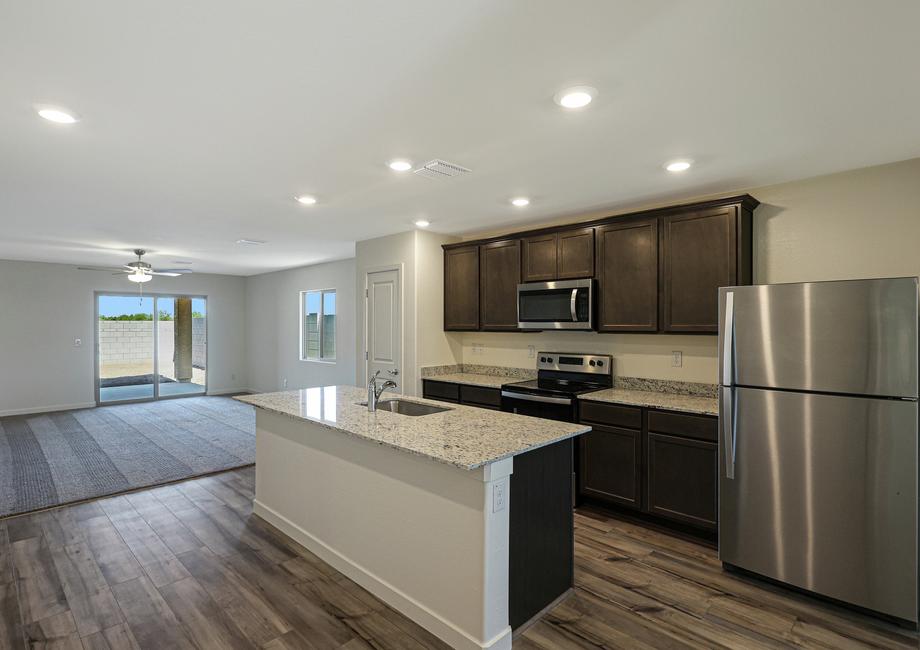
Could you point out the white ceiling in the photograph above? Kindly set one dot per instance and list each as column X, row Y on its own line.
column 201, row 120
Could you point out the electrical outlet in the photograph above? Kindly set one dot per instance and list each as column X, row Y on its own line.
column 531, row 351
column 283, row 382
column 499, row 496
column 677, row 359
column 78, row 343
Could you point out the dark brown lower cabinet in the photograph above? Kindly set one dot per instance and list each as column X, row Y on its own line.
column 682, row 479
column 610, row 460
column 661, row 463
column 445, row 391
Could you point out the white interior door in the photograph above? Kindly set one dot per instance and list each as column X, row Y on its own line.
column 384, row 326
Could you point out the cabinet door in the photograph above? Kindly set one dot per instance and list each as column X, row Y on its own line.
column 540, row 258
column 682, row 479
column 500, row 273
column 575, row 254
column 461, row 288
column 627, row 271
column 609, row 463
column 698, row 255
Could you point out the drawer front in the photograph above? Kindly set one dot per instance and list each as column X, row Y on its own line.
column 610, row 414
column 700, row 427
column 479, row 396
column 440, row 390
column 682, row 480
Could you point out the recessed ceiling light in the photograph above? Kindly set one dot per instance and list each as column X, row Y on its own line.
column 59, row 115
column 422, row 223
column 576, row 97
column 306, row 199
column 678, row 165
column 520, row 202
column 250, row 242
column 400, row 165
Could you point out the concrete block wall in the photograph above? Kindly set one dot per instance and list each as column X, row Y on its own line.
column 132, row 341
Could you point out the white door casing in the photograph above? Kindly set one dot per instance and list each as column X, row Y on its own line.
column 384, row 326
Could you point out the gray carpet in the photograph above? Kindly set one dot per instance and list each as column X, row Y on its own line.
column 55, row 458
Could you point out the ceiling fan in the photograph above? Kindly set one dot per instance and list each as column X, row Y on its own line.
column 138, row 271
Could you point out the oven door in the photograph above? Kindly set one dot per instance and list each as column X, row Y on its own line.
column 538, row 406
column 565, row 305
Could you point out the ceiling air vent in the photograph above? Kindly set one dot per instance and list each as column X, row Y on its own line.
column 441, row 169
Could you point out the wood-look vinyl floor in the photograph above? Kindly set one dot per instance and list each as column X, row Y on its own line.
column 188, row 566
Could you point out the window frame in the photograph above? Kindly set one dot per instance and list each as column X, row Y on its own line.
column 321, row 326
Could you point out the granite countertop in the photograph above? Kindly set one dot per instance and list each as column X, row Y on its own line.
column 472, row 379
column 464, row 436
column 698, row 404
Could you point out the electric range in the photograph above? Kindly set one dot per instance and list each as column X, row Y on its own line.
column 561, row 378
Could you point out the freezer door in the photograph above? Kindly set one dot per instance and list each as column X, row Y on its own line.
column 824, row 495
column 857, row 337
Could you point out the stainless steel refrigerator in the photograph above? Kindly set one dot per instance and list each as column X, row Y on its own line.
column 818, row 449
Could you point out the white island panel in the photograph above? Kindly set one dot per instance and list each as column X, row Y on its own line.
column 418, row 533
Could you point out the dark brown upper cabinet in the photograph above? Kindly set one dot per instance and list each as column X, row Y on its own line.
column 657, row 270
column 500, row 273
column 564, row 255
column 461, row 288
column 575, row 254
column 627, row 274
column 539, row 258
column 699, row 254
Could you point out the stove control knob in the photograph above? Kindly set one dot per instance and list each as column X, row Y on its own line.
column 542, row 359
column 600, row 363
column 549, row 359
column 592, row 363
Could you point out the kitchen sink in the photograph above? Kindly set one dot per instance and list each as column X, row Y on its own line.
column 405, row 407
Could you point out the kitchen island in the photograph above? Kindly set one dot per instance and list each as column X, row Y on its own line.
column 460, row 519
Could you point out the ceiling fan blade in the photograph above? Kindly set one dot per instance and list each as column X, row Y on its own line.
column 171, row 272
column 100, row 268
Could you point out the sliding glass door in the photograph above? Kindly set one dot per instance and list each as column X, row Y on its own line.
column 150, row 347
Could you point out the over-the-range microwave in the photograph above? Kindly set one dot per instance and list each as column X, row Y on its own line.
column 561, row 305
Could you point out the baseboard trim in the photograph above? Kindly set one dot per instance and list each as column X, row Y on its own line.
column 403, row 603
column 229, row 391
column 35, row 410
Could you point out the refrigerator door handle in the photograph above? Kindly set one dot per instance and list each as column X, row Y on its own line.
column 729, row 432
column 728, row 340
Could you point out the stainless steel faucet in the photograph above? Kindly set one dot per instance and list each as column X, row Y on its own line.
column 374, row 391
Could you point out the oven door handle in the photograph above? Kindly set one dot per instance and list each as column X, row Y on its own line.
column 536, row 398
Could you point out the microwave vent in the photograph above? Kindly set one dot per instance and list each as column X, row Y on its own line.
column 441, row 169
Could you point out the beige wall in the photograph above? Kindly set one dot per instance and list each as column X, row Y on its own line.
column 418, row 255
column 273, row 327
column 46, row 306
column 858, row 224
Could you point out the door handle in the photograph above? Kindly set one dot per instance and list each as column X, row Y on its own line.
column 572, row 305
column 394, row 372
column 729, row 430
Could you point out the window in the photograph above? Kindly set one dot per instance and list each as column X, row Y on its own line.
column 317, row 341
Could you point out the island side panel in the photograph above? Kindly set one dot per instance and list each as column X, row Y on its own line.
column 419, row 534
column 541, row 530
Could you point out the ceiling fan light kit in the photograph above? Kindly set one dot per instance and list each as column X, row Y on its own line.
column 140, row 271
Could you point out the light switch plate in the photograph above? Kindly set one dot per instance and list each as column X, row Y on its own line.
column 677, row 359
column 78, row 343
column 531, row 351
